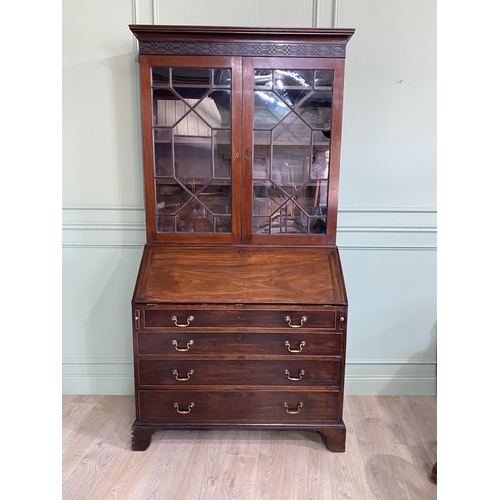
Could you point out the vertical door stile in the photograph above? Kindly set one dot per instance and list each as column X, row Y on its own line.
column 237, row 147
column 247, row 149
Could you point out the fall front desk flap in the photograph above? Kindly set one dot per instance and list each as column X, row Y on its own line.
column 237, row 274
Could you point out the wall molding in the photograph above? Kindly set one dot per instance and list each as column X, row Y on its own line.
column 130, row 361
column 369, row 229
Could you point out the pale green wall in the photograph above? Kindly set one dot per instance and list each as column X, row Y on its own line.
column 387, row 220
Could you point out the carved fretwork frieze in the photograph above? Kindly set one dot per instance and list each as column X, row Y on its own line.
column 244, row 49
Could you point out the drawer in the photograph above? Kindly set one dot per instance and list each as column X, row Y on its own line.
column 237, row 406
column 290, row 344
column 253, row 318
column 183, row 372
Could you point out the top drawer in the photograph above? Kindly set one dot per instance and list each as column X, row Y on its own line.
column 196, row 318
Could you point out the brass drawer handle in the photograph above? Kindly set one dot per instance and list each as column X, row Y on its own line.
column 293, row 412
column 189, row 319
column 301, row 345
column 287, row 375
column 182, row 349
column 180, row 379
column 184, row 412
column 289, row 322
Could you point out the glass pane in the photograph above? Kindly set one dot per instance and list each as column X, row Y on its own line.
column 216, row 109
column 312, row 196
column 293, row 78
column 222, row 77
column 269, row 109
column 263, row 78
column 323, row 78
column 292, row 96
column 194, row 126
column 260, row 225
column 292, row 130
column 261, row 147
column 193, row 94
column 170, row 197
column 222, row 154
column 195, row 77
column 161, row 76
column 163, row 153
column 292, row 123
column 317, row 110
column 320, row 165
column 193, row 149
column 317, row 225
column 222, row 224
column 194, row 218
column 216, row 197
column 167, row 108
column 166, row 224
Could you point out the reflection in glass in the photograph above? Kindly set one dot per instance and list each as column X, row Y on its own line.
column 216, row 109
column 222, row 224
column 292, row 96
column 263, row 78
column 269, row 109
column 192, row 77
column 293, row 78
column 194, row 218
column 160, row 76
column 292, row 122
column 222, row 154
column 323, row 78
column 216, row 198
column 165, row 224
column 163, row 153
column 222, row 77
column 192, row 145
column 170, row 197
column 317, row 110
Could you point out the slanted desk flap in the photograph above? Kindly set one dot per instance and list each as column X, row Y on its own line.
column 240, row 274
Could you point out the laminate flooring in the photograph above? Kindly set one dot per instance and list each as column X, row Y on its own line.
column 390, row 451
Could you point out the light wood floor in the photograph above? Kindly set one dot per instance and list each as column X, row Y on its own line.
column 390, row 451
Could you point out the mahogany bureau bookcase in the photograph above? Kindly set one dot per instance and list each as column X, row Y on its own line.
column 240, row 309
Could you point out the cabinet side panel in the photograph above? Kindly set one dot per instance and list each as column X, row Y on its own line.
column 335, row 140
column 147, row 145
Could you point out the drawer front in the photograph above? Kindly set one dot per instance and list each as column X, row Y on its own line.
column 195, row 319
column 280, row 407
column 184, row 373
column 290, row 344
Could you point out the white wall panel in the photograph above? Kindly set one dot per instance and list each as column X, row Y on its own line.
column 389, row 135
column 101, row 152
column 236, row 13
column 387, row 219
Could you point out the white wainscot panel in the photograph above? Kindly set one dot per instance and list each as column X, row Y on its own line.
column 392, row 325
column 101, row 227
column 387, row 228
column 98, row 283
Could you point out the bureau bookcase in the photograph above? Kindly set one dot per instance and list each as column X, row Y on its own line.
column 240, row 308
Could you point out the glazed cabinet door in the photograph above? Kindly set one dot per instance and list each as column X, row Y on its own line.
column 292, row 113
column 191, row 109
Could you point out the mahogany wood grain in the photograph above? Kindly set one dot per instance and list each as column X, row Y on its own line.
column 265, row 372
column 241, row 274
column 263, row 406
column 238, row 330
column 249, row 343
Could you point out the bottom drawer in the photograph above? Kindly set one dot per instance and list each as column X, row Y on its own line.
column 239, row 406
